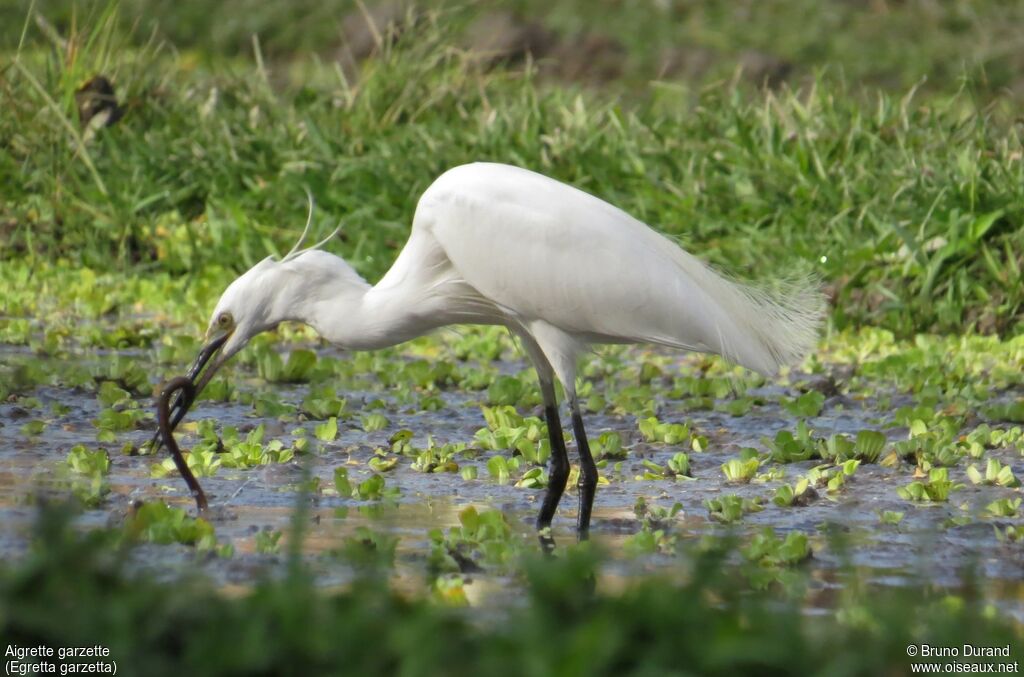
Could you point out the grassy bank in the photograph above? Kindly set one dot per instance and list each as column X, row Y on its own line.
column 612, row 44
column 908, row 204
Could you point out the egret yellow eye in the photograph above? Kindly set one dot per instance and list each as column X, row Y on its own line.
column 224, row 320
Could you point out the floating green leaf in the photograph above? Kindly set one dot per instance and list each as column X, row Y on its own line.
column 327, row 431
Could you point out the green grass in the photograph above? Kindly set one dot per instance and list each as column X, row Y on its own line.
column 908, row 205
column 891, row 45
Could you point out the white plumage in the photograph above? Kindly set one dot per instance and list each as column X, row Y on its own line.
column 495, row 244
column 541, row 250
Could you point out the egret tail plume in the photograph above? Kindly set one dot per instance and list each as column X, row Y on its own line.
column 762, row 327
column 786, row 323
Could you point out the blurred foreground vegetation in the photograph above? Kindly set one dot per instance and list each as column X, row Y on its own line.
column 74, row 589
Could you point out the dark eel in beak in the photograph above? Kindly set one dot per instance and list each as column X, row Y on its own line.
column 180, row 406
column 186, row 390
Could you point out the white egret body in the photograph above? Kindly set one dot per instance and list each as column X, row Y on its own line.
column 562, row 269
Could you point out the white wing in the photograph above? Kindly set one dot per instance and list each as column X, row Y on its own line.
column 540, row 249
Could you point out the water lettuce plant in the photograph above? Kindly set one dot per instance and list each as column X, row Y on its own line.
column 788, row 447
column 506, row 429
column 807, row 405
column 891, row 517
column 995, row 473
column 654, row 430
column 768, row 550
column 867, row 446
column 936, row 489
column 158, row 522
column 731, row 508
column 482, row 538
column 678, row 466
column 740, row 470
column 327, row 431
column 86, row 461
column 799, row 494
column 1004, row 507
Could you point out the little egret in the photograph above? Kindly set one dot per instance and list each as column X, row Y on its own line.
column 560, row 268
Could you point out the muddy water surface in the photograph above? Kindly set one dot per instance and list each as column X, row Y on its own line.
column 938, row 543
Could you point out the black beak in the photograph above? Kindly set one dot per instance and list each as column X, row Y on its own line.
column 180, row 406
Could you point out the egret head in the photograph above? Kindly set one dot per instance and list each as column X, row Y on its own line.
column 246, row 308
column 260, row 299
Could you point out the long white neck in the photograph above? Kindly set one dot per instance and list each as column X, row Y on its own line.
column 366, row 318
column 323, row 291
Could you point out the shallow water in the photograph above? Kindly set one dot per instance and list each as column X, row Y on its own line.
column 925, row 546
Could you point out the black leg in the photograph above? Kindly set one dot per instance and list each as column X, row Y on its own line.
column 558, row 475
column 587, row 484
